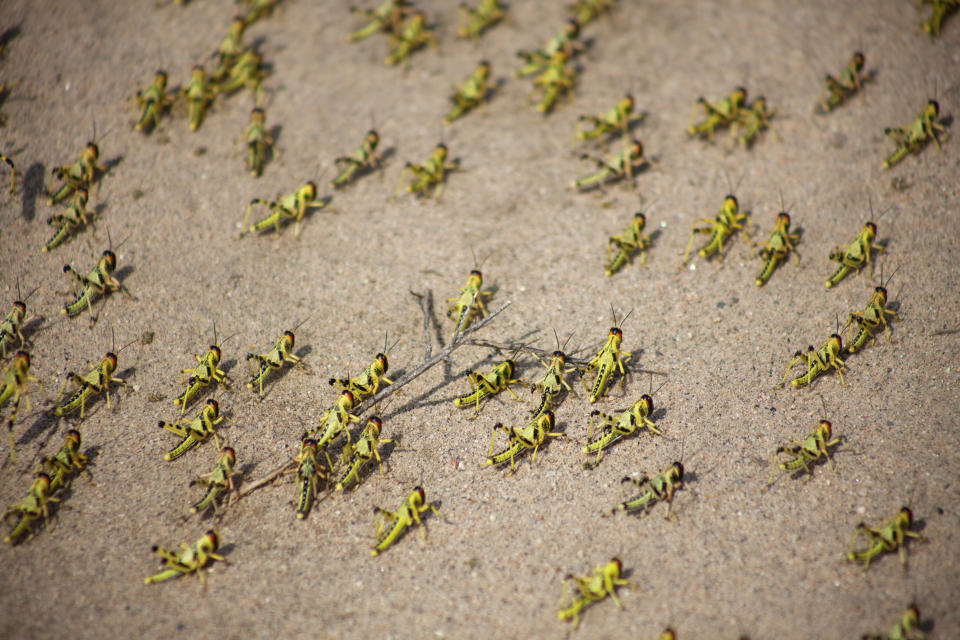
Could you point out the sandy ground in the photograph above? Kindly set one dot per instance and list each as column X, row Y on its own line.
column 731, row 560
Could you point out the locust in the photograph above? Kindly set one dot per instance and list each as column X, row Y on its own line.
column 617, row 118
column 469, row 304
column 273, row 360
column 855, row 255
column 61, row 467
column 412, row 34
column 907, row 627
column 629, row 422
column 292, row 206
column 565, row 41
column 153, row 102
column 556, row 79
column 485, row 385
column 586, row 11
column 229, row 48
column 189, row 559
column 79, row 175
column 616, row 167
column 778, row 247
column 870, row 319
column 474, row 22
column 527, row 438
column 620, row 247
column 661, row 487
column 750, row 122
column 194, row 432
column 720, row 228
column 201, row 375
column 198, row 95
column 916, row 135
column 356, row 456
column 430, row 175
column 552, row 384
column 721, row 114
column 68, row 220
column 408, row 514
column 387, row 18
column 13, row 389
column 335, row 420
column 364, row 159
column 309, row 473
column 593, row 588
column 817, row 362
column 12, row 324
column 471, row 93
column 246, row 72
column 837, row 90
column 797, row 455
column 258, row 142
column 941, row 9
column 95, row 382
column 30, row 509
column 891, row 536
column 218, row 481
column 607, row 362
column 368, row 382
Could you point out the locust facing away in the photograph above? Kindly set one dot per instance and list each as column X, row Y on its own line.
column 68, row 220
column 720, row 114
column 412, row 34
column 292, row 206
column 907, row 627
column 618, row 118
column 10, row 328
column 335, row 421
column 431, row 175
column 189, row 559
column 637, row 417
column 364, row 159
column 916, row 135
column 246, row 72
column 608, row 361
column 556, row 79
column 565, row 41
column 61, row 467
column 201, row 375
column 357, row 456
column 593, row 588
column 750, row 121
column 871, row 319
column 30, row 509
column 620, row 247
column 891, row 536
column 527, row 438
column 229, row 48
column 552, row 385
column 258, row 142
column 368, row 382
column 79, row 175
column 941, row 9
column 471, row 93
column 218, row 481
column 194, row 432
column 856, row 255
column 469, row 304
column 258, row 9
column 475, row 22
column 387, row 18
column 836, row 91
column 408, row 514
column 13, row 389
column 778, row 247
column 309, row 473
column 487, row 385
column 153, row 103
column 273, row 360
column 720, row 228
column 198, row 95
column 586, row 11
column 95, row 382
column 817, row 362
column 797, row 455
column 615, row 168
column 660, row 488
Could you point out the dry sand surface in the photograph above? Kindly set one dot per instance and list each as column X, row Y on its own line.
column 731, row 560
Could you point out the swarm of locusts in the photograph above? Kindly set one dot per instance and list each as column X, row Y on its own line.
column 346, row 448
